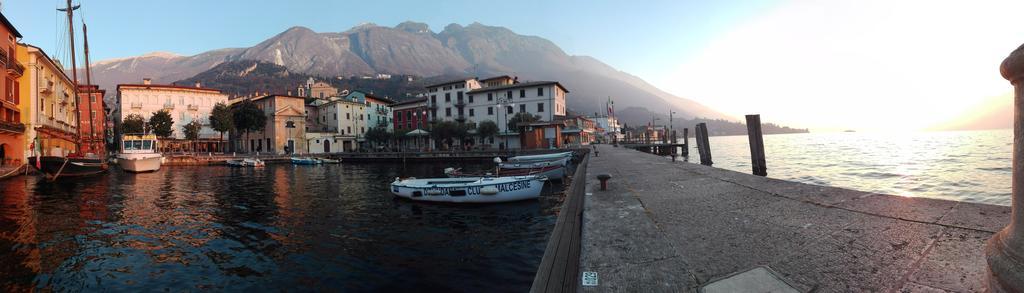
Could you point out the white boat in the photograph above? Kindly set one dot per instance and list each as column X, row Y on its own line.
column 329, row 161
column 247, row 162
column 534, row 164
column 544, row 157
column 552, row 172
column 304, row 161
column 469, row 189
column 139, row 153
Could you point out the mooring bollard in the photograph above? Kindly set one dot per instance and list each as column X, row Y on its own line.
column 604, row 180
column 596, row 152
column 1005, row 250
column 757, row 161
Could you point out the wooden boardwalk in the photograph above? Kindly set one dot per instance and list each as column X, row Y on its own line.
column 673, row 227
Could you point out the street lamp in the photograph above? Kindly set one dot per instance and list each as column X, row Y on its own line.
column 505, row 103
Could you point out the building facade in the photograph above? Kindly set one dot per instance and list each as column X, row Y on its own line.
column 184, row 103
column 496, row 99
column 285, row 129
column 92, row 120
column 48, row 105
column 346, row 120
column 317, row 89
column 579, row 131
column 410, row 115
column 12, row 129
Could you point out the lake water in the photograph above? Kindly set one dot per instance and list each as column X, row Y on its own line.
column 972, row 166
column 284, row 227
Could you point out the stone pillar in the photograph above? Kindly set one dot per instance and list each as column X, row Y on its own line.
column 1005, row 251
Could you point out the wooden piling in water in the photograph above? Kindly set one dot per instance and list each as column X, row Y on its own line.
column 686, row 142
column 703, row 145
column 756, row 139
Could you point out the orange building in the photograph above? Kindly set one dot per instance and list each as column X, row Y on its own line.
column 92, row 121
column 12, row 130
column 541, row 135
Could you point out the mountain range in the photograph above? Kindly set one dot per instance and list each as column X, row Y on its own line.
column 413, row 49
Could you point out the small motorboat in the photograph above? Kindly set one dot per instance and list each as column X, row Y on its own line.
column 139, row 153
column 469, row 189
column 544, row 157
column 247, row 162
column 304, row 161
column 329, row 161
column 551, row 172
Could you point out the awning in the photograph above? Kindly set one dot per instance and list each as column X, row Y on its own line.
column 417, row 132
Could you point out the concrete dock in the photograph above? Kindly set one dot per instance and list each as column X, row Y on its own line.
column 667, row 226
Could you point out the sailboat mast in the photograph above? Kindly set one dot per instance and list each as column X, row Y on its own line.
column 91, row 92
column 74, row 74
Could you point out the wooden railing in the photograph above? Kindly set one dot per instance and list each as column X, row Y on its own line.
column 559, row 269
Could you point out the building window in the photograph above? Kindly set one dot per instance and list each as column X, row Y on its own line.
column 540, row 107
column 348, row 116
column 470, row 98
column 471, row 114
column 508, row 109
column 508, row 94
column 522, row 108
column 448, row 112
column 447, row 97
column 490, row 97
column 490, row 111
column 433, row 99
column 522, row 93
column 540, row 92
column 349, row 129
column 458, row 95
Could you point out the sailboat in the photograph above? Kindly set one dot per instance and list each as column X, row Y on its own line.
column 76, row 164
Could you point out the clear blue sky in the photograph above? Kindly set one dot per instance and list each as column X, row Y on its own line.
column 635, row 36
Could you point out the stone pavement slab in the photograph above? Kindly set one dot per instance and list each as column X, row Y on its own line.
column 673, row 226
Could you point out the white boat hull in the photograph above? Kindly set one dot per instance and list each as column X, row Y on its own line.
column 470, row 190
column 139, row 162
column 540, row 158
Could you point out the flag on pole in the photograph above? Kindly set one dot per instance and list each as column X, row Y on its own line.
column 37, row 149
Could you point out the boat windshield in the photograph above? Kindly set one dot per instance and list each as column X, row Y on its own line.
column 138, row 145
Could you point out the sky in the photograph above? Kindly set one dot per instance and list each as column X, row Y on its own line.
column 824, row 65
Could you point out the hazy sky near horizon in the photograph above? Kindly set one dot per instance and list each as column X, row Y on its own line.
column 826, row 65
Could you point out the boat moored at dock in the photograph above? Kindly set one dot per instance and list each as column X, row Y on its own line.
column 139, row 153
column 540, row 158
column 247, row 162
column 304, row 161
column 469, row 189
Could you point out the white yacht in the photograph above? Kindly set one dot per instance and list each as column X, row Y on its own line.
column 139, row 153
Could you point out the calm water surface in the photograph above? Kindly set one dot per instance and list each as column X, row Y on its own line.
column 285, row 227
column 971, row 166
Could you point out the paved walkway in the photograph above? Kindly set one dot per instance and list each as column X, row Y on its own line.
column 670, row 226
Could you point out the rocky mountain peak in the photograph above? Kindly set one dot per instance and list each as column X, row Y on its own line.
column 414, row 27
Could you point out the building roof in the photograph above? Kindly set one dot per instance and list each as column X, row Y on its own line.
column 450, row 82
column 496, row 77
column 167, row 86
column 515, row 86
column 9, row 25
column 412, row 101
column 276, row 95
column 375, row 97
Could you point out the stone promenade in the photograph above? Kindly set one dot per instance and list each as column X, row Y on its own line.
column 672, row 227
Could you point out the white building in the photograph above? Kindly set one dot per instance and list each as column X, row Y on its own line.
column 346, row 124
column 496, row 99
column 185, row 104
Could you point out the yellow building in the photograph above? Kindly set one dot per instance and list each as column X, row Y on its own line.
column 48, row 108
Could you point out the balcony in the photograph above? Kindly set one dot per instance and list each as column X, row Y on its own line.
column 11, row 127
column 432, row 106
column 460, row 104
column 15, row 68
column 168, row 106
column 193, row 107
column 136, row 105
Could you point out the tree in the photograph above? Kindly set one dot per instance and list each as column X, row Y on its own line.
column 444, row 131
column 521, row 118
column 191, row 131
column 222, row 119
column 487, row 129
column 378, row 135
column 133, row 123
column 161, row 123
column 248, row 117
